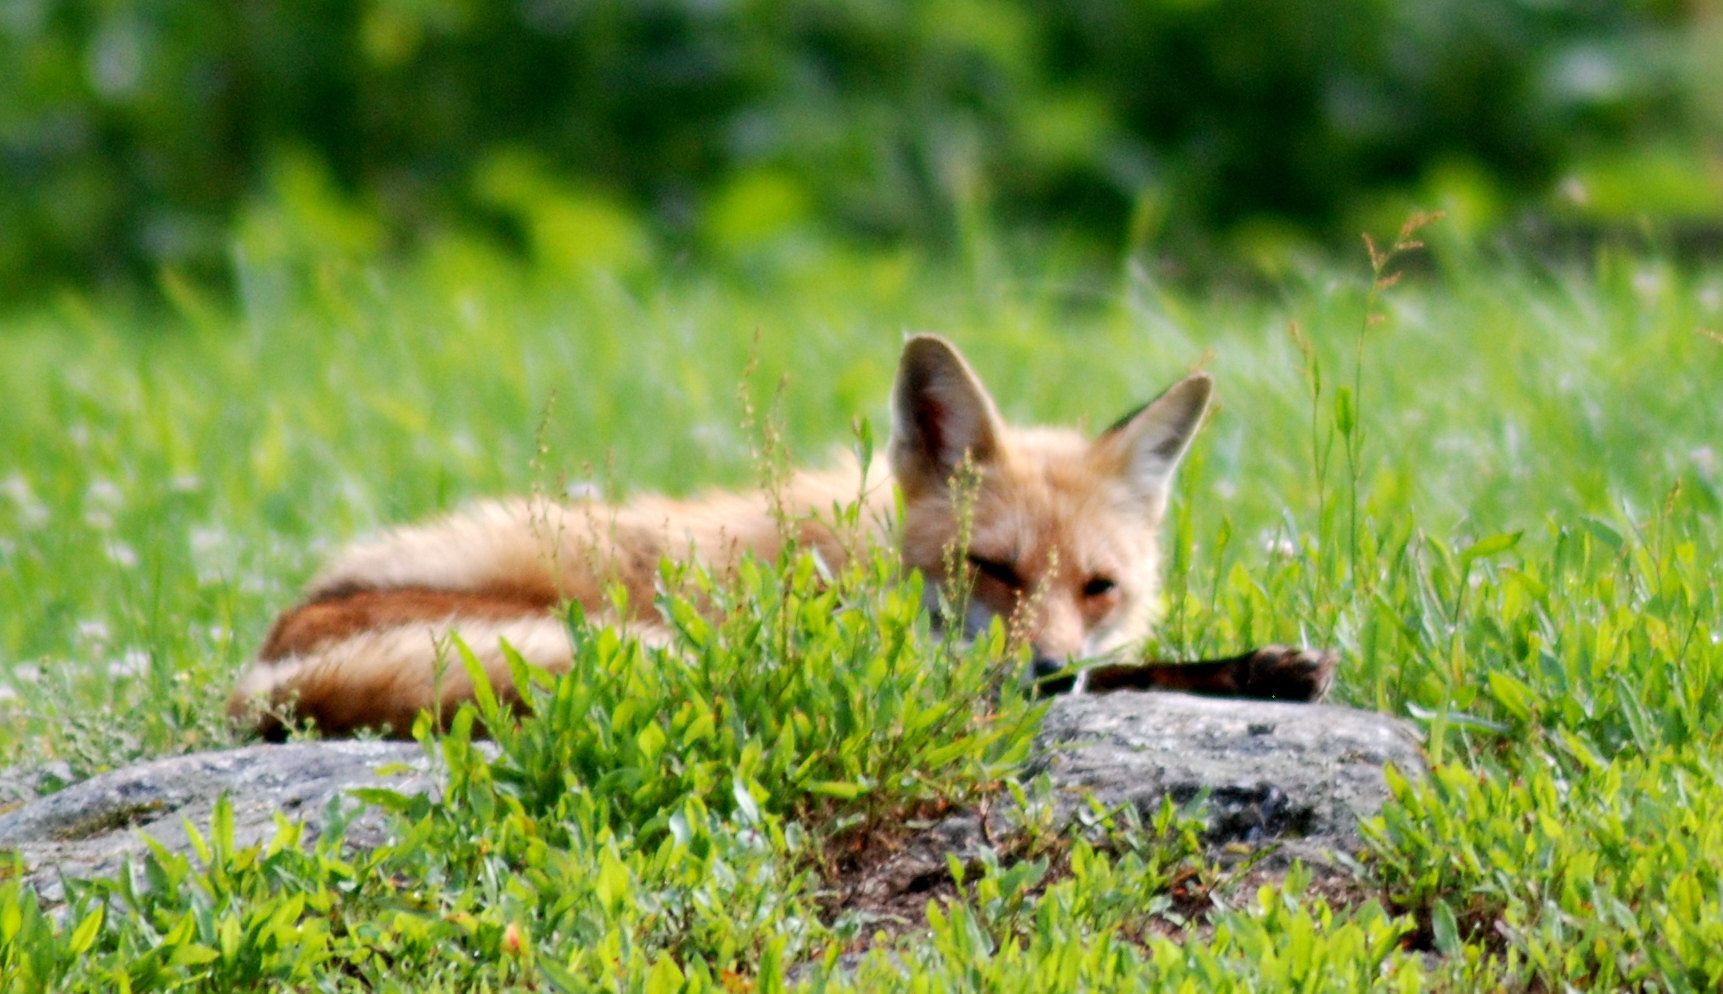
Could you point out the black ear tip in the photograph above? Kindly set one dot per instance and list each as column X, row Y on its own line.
column 1179, row 409
column 923, row 346
column 1197, row 387
column 929, row 360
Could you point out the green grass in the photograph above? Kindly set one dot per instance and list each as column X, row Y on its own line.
column 1510, row 526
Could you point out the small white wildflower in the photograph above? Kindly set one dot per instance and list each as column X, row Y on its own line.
column 584, row 490
column 93, row 630
column 185, row 483
column 211, row 553
column 205, row 541
column 1711, row 298
column 1225, row 489
column 7, row 694
column 1648, row 283
column 717, row 438
column 1277, row 544
column 1465, row 445
column 122, row 555
column 31, row 512
column 79, row 434
column 104, row 493
column 1705, row 460
column 101, row 521
column 133, row 663
column 26, row 673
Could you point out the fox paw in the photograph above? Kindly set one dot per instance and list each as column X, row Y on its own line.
column 1285, row 673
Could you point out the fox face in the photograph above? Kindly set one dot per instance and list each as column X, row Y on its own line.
column 1055, row 534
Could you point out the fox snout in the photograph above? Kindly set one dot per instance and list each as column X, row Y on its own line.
column 1051, row 660
column 1041, row 667
column 1057, row 635
column 1054, row 675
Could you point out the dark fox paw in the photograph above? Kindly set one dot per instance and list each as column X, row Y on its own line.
column 1285, row 673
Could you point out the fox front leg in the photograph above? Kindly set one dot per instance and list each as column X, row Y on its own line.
column 1273, row 673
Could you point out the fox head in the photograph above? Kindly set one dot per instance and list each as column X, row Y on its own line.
column 1062, row 537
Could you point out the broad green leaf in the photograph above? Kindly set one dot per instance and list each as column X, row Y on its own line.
column 1512, row 694
column 192, row 954
column 481, row 681
column 1490, row 546
column 838, row 788
column 1445, row 930
column 665, row 977
column 84, row 936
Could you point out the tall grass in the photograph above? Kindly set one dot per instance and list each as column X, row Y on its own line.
column 1519, row 556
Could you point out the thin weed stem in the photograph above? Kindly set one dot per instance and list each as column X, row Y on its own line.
column 1349, row 404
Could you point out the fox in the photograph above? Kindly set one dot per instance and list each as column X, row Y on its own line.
column 1059, row 533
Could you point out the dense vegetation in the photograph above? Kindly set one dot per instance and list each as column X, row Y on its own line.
column 405, row 253
column 1496, row 487
column 134, row 133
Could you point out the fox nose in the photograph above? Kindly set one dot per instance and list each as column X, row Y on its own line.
column 1048, row 674
column 1043, row 666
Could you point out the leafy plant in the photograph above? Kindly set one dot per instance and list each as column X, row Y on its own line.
column 1529, row 580
column 821, row 699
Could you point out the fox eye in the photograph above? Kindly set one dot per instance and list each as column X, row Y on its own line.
column 996, row 570
column 1098, row 586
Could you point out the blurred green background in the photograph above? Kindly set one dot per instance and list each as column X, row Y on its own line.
column 139, row 135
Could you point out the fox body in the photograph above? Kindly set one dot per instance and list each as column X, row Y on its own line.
column 1062, row 542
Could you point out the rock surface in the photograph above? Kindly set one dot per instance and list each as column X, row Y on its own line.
column 1299, row 776
column 1269, row 771
column 89, row 828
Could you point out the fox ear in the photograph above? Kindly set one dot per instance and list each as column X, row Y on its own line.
column 1147, row 444
column 939, row 411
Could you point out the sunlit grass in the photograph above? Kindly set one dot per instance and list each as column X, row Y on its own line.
column 1531, row 576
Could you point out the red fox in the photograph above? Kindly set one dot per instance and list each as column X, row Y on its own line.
column 1062, row 542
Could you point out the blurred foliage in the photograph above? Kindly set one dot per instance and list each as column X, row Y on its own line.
column 133, row 132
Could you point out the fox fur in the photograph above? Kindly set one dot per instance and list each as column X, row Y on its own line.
column 1062, row 543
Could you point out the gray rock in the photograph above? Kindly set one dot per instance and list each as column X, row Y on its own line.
column 1290, row 781
column 21, row 784
column 1270, row 770
column 91, row 827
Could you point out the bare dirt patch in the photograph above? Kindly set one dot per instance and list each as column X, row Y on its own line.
column 879, row 885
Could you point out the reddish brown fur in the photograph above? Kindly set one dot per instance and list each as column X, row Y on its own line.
column 311, row 626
